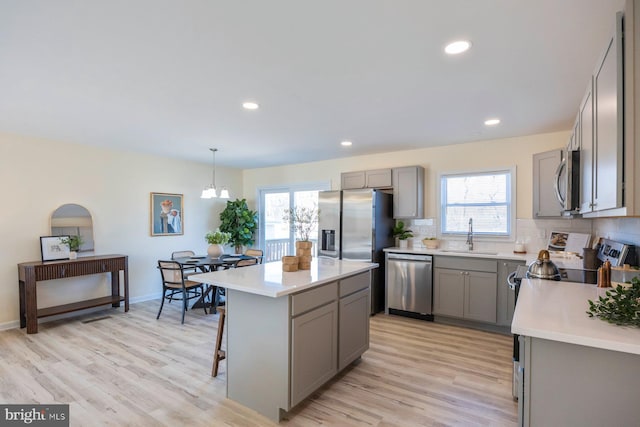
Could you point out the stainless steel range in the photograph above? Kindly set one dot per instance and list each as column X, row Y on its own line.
column 607, row 250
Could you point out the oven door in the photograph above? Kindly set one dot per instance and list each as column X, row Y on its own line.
column 513, row 280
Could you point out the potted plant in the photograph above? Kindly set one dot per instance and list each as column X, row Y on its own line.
column 74, row 243
column 402, row 234
column 216, row 240
column 239, row 221
column 303, row 221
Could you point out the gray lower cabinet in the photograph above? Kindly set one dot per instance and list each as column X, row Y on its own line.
column 574, row 385
column 506, row 297
column 329, row 330
column 465, row 288
column 314, row 350
column 354, row 327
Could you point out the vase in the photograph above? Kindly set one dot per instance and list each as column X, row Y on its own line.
column 73, row 255
column 303, row 252
column 214, row 250
column 403, row 243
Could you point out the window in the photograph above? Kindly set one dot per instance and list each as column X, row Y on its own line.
column 486, row 197
column 276, row 236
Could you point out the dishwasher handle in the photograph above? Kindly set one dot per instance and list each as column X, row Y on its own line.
column 410, row 257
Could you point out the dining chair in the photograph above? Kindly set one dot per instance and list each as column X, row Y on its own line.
column 257, row 253
column 257, row 258
column 176, row 287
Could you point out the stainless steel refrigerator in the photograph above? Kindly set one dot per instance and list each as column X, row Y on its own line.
column 355, row 225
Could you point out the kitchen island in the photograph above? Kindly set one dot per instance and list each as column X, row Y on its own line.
column 576, row 370
column 290, row 332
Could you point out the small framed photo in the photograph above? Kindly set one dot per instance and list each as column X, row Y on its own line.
column 167, row 214
column 52, row 248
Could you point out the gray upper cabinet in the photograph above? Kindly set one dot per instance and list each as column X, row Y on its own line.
column 408, row 192
column 602, row 131
column 608, row 126
column 585, row 119
column 545, row 202
column 378, row 178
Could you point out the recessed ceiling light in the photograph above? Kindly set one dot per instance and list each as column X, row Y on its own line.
column 491, row 122
column 346, row 143
column 457, row 47
column 250, row 105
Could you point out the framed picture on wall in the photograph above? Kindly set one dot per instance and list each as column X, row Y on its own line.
column 167, row 216
column 52, row 248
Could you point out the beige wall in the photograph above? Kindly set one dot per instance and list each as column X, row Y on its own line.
column 38, row 176
column 502, row 153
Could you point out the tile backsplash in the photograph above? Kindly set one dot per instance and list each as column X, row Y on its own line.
column 535, row 233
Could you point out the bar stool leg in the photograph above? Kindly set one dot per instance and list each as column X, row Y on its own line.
column 219, row 354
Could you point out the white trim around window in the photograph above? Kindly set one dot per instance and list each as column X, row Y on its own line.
column 487, row 196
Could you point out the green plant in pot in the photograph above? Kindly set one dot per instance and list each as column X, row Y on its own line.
column 74, row 243
column 216, row 240
column 239, row 221
column 402, row 233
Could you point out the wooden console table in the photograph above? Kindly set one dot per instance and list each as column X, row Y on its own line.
column 31, row 272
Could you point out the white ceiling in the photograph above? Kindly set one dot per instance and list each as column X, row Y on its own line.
column 168, row 77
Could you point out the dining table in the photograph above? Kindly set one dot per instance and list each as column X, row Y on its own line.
column 206, row 263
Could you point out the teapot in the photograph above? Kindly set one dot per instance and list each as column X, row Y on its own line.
column 543, row 267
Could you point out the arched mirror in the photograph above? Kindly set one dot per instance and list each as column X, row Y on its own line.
column 73, row 220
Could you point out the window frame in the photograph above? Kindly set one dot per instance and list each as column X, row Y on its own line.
column 511, row 204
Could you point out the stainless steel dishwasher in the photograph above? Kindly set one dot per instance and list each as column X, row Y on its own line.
column 409, row 285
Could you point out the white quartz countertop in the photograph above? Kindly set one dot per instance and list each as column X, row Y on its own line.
column 557, row 311
column 269, row 280
column 462, row 253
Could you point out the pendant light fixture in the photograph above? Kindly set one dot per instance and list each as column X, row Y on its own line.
column 210, row 191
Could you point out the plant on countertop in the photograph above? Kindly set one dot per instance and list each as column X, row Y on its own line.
column 400, row 232
column 240, row 221
column 303, row 220
column 74, row 242
column 621, row 306
column 217, row 237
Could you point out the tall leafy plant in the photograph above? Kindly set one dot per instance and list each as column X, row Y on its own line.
column 239, row 221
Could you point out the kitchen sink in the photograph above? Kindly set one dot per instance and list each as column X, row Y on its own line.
column 468, row 252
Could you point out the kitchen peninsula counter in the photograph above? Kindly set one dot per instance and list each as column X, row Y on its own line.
column 575, row 369
column 290, row 332
column 557, row 311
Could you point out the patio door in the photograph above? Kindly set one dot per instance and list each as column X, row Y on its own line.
column 276, row 236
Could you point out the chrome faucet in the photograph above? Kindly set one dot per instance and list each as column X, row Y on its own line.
column 470, row 235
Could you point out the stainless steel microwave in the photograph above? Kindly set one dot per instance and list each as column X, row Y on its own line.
column 567, row 181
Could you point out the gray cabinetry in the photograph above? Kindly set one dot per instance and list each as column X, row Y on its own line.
column 585, row 118
column 354, row 327
column 587, row 379
column 465, row 288
column 314, row 350
column 608, row 126
column 506, row 300
column 329, row 330
column 448, row 292
column 408, row 192
column 545, row 202
column 378, row 178
column 480, row 296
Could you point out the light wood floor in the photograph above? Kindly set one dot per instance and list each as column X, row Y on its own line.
column 117, row 369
